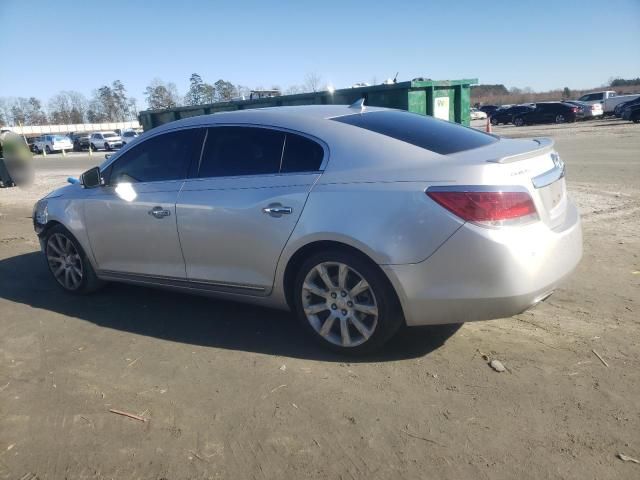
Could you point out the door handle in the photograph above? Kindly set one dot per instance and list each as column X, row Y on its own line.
column 159, row 212
column 277, row 210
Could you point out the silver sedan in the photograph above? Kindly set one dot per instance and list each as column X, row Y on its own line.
column 358, row 219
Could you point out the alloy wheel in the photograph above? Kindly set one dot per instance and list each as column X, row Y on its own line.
column 339, row 304
column 559, row 118
column 64, row 261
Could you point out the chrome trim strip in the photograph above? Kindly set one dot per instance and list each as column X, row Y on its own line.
column 548, row 177
column 203, row 285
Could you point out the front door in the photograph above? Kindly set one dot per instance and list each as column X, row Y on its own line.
column 235, row 218
column 131, row 222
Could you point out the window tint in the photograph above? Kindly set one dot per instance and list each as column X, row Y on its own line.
column 420, row 130
column 301, row 155
column 234, row 151
column 165, row 157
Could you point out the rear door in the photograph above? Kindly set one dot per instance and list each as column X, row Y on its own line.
column 131, row 222
column 237, row 213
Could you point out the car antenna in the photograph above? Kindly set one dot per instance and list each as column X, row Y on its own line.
column 395, row 79
column 359, row 104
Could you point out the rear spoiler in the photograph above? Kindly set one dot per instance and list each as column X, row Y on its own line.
column 544, row 145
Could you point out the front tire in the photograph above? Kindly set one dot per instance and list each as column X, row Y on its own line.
column 93, row 147
column 68, row 262
column 494, row 121
column 47, row 149
column 346, row 303
column 518, row 122
column 560, row 118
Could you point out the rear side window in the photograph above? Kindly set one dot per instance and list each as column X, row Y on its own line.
column 161, row 158
column 239, row 151
column 301, row 155
column 423, row 131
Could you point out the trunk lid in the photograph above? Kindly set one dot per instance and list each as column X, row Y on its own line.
column 533, row 164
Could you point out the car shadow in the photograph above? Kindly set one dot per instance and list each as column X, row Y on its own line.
column 194, row 319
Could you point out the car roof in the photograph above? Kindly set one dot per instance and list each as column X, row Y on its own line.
column 282, row 116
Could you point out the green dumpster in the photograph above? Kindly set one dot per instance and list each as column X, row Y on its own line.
column 444, row 99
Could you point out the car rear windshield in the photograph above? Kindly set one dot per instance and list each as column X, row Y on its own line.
column 420, row 130
column 59, row 138
column 109, row 135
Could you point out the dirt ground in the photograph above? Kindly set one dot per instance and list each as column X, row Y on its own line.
column 234, row 391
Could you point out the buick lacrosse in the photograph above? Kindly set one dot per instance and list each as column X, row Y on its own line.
column 358, row 219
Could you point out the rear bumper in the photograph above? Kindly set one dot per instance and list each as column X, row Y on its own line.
column 482, row 273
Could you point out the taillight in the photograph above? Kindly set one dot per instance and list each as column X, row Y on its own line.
column 574, row 109
column 489, row 208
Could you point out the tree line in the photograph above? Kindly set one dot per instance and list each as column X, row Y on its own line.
column 112, row 103
column 109, row 103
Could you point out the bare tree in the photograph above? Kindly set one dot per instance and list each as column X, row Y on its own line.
column 225, row 91
column 160, row 95
column 294, row 89
column 133, row 108
column 312, row 82
column 67, row 107
column 5, row 111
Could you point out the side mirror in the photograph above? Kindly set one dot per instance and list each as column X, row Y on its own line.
column 91, row 178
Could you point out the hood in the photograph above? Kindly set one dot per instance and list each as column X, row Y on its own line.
column 59, row 192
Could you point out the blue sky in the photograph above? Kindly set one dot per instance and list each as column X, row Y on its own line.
column 48, row 46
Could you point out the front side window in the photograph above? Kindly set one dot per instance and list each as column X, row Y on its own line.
column 161, row 158
column 240, row 151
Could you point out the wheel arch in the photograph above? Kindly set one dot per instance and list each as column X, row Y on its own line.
column 296, row 260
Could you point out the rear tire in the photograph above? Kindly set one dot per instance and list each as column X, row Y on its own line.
column 93, row 147
column 47, row 149
column 68, row 263
column 357, row 313
column 494, row 121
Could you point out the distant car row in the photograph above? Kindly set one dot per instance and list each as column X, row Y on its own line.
column 589, row 106
column 107, row 140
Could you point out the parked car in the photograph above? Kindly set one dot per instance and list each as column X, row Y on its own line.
column 106, row 140
column 31, row 142
column 586, row 111
column 632, row 112
column 409, row 220
column 52, row 143
column 129, row 136
column 476, row 114
column 489, row 109
column 81, row 141
column 506, row 115
column 547, row 112
column 621, row 106
column 608, row 99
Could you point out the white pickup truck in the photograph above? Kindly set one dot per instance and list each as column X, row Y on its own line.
column 608, row 98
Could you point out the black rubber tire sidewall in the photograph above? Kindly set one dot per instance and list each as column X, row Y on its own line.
column 90, row 282
column 390, row 317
